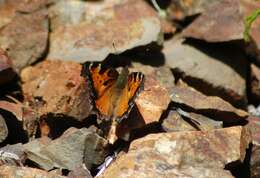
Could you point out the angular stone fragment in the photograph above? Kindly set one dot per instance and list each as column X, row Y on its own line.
column 210, row 68
column 255, row 83
column 188, row 96
column 192, row 122
column 213, row 26
column 68, row 150
column 12, row 155
column 26, row 45
column 56, row 87
column 183, row 154
column 25, row 172
column 154, row 99
column 3, row 129
column 114, row 28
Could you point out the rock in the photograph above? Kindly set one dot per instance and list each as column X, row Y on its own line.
column 213, row 105
column 254, row 125
column 26, row 45
column 80, row 172
column 181, row 9
column 69, row 150
column 213, row 26
column 6, row 70
column 199, row 64
column 56, row 87
column 112, row 29
column 3, row 129
column 25, row 172
column 255, row 162
column 154, row 99
column 255, row 83
column 96, row 149
column 192, row 122
column 33, row 150
column 12, row 155
column 183, row 154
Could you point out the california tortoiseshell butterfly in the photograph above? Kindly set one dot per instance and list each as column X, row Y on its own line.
column 112, row 94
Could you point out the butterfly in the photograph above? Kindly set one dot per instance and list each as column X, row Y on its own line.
column 112, row 93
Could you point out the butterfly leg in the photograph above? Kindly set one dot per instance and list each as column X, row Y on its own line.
column 112, row 137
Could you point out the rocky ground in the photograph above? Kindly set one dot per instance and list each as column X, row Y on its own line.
column 198, row 115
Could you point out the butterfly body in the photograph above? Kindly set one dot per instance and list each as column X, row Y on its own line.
column 112, row 94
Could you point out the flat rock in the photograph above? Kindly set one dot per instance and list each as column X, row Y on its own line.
column 255, row 83
column 91, row 35
column 194, row 154
column 25, row 172
column 188, row 121
column 199, row 64
column 217, row 107
column 26, row 45
column 3, row 129
column 213, row 26
column 56, row 87
column 6, row 68
column 69, row 150
column 13, row 155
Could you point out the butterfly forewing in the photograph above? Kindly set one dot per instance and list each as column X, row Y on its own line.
column 128, row 94
column 101, row 81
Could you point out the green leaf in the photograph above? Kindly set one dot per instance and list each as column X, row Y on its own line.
column 248, row 23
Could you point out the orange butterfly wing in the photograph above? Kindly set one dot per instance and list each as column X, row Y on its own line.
column 126, row 100
column 101, row 81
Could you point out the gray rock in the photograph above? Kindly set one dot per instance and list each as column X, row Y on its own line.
column 209, row 68
column 192, row 122
column 68, row 150
column 90, row 31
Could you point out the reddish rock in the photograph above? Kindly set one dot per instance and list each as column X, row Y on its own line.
column 183, row 154
column 26, row 45
column 213, row 26
column 108, row 28
column 255, row 83
column 25, row 172
column 56, row 87
column 181, row 9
